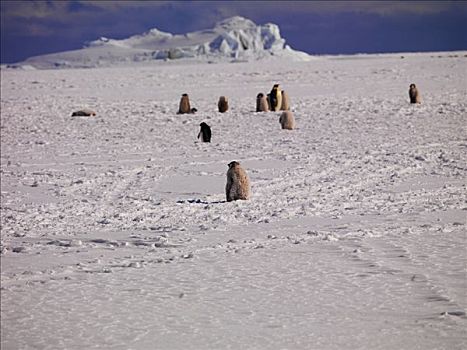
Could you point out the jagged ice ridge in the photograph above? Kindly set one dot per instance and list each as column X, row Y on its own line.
column 233, row 39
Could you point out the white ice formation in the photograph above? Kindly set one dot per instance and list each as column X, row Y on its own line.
column 233, row 39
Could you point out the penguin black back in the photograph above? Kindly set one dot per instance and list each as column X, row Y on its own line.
column 205, row 132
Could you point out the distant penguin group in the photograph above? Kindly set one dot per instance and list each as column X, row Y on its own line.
column 238, row 183
column 276, row 100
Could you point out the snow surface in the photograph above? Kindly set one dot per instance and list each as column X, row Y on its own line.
column 232, row 39
column 116, row 233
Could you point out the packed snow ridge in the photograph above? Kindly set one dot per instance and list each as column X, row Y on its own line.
column 233, row 39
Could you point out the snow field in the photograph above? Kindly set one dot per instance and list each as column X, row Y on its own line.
column 116, row 233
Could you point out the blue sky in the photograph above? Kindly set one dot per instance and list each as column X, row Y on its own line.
column 30, row 28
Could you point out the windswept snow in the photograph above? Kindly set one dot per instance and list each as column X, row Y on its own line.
column 116, row 233
column 233, row 39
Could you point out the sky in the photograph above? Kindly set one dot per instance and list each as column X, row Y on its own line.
column 31, row 28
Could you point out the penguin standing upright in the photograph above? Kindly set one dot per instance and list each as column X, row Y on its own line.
column 414, row 94
column 184, row 105
column 285, row 106
column 287, row 120
column 205, row 132
column 261, row 103
column 238, row 183
column 275, row 97
column 223, row 104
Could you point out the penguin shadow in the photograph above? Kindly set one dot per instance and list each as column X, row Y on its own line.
column 199, row 201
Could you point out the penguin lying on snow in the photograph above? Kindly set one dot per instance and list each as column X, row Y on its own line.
column 83, row 113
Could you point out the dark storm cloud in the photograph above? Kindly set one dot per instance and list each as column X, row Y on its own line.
column 37, row 27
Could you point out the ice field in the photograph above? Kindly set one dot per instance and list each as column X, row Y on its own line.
column 115, row 232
